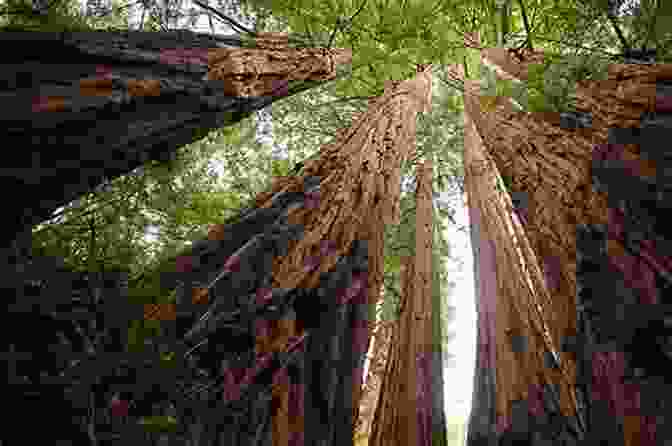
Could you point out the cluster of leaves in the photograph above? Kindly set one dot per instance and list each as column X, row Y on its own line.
column 649, row 26
column 551, row 85
column 60, row 15
column 387, row 38
column 304, row 122
column 605, row 27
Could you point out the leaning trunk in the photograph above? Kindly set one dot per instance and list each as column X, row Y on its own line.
column 572, row 182
column 83, row 107
column 311, row 249
column 518, row 374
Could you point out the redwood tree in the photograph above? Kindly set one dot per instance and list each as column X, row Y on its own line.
column 312, row 251
column 407, row 412
column 570, row 177
column 266, row 338
column 83, row 107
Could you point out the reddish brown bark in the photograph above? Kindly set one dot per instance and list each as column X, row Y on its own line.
column 359, row 192
column 404, row 411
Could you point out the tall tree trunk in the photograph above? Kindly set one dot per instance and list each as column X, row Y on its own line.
column 429, row 367
column 380, row 345
column 437, row 367
column 513, row 311
column 313, row 248
column 384, row 428
column 406, row 411
column 623, row 335
column 552, row 167
column 83, row 107
column 535, row 172
column 483, row 419
column 291, row 283
column 527, row 169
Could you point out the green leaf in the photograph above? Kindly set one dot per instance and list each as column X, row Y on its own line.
column 168, row 356
column 158, row 423
column 280, row 167
column 393, row 264
column 135, row 335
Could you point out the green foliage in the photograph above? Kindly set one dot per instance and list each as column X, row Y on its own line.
column 140, row 332
column 61, row 15
column 172, row 201
column 159, row 424
column 552, row 85
column 304, row 122
column 504, row 184
column 392, row 36
column 280, row 167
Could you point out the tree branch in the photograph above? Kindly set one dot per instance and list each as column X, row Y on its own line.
column 333, row 34
column 611, row 15
column 526, row 23
column 235, row 25
column 84, row 213
column 346, row 99
column 128, row 5
column 619, row 33
column 504, row 18
column 594, row 50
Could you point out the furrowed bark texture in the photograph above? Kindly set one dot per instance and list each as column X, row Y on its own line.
column 370, row 394
column 604, row 181
column 406, row 410
column 516, row 371
column 303, row 243
column 84, row 107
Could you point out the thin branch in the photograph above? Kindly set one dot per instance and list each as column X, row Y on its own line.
column 333, row 34
column 346, row 99
column 358, row 11
column 452, row 83
column 526, row 23
column 392, row 291
column 128, row 5
column 84, row 213
column 504, row 21
column 619, row 33
column 230, row 21
column 142, row 18
column 562, row 42
column 212, row 26
column 340, row 121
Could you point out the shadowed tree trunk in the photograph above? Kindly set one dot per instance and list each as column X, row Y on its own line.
column 570, row 184
column 83, row 107
column 276, row 357
column 517, row 376
column 291, row 284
